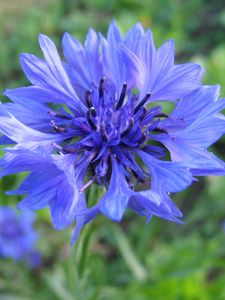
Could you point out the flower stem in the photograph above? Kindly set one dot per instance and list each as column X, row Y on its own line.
column 82, row 250
column 129, row 256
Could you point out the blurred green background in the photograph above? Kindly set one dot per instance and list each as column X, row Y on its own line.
column 158, row 261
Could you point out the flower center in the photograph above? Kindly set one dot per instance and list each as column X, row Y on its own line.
column 116, row 121
column 110, row 126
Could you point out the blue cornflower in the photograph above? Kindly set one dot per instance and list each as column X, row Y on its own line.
column 17, row 235
column 97, row 119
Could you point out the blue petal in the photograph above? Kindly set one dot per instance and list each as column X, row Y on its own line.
column 134, row 37
column 204, row 133
column 62, row 207
column 149, row 203
column 166, row 176
column 82, row 220
column 114, row 202
column 54, row 63
column 148, row 51
column 39, row 181
column 157, row 65
column 33, row 114
column 164, row 80
column 164, row 59
column 40, row 187
column 199, row 160
column 56, row 185
column 132, row 69
column 212, row 109
column 69, row 200
column 179, row 81
column 40, row 74
column 73, row 49
column 20, row 133
column 115, row 62
column 12, row 163
column 93, row 57
column 37, row 200
column 4, row 140
column 189, row 108
column 36, row 70
column 39, row 94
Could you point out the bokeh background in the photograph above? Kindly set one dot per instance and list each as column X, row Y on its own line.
column 158, row 261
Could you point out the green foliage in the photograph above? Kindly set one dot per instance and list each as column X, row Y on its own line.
column 158, row 261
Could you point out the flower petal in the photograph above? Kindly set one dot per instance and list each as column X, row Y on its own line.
column 167, row 176
column 115, row 200
column 54, row 64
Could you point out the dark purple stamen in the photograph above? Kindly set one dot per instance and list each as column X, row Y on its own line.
column 69, row 150
column 88, row 148
column 88, row 116
column 60, row 129
column 130, row 126
column 65, row 150
column 103, row 132
column 101, row 84
column 143, row 101
column 122, row 96
column 93, row 111
column 143, row 139
column 88, row 99
column 142, row 116
column 57, row 128
column 137, row 176
column 130, row 183
column 160, row 130
column 58, row 115
column 161, row 115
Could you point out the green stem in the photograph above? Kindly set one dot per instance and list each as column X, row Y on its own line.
column 126, row 251
column 77, row 263
column 82, row 251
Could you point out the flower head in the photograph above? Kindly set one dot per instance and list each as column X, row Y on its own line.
column 98, row 118
column 17, row 236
